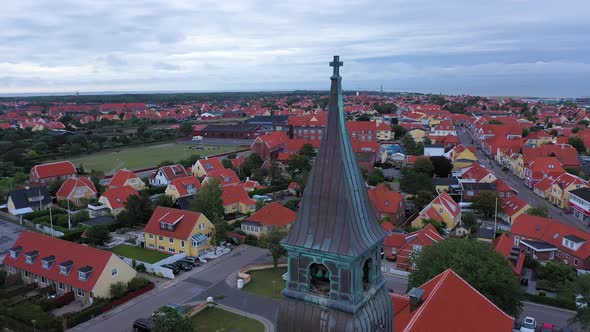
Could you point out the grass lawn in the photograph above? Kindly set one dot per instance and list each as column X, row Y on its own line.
column 261, row 282
column 145, row 156
column 215, row 319
column 137, row 253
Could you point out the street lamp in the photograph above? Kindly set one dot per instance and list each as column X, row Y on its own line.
column 34, row 327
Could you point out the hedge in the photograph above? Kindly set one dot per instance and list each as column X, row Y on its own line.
column 79, row 317
column 270, row 189
column 555, row 302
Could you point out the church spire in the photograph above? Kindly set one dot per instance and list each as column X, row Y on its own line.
column 336, row 214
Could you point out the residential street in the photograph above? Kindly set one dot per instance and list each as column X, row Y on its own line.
column 524, row 193
column 541, row 313
column 9, row 232
column 185, row 287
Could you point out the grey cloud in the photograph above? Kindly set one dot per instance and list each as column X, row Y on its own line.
column 166, row 66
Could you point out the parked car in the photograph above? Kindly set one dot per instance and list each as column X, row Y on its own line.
column 184, row 265
column 529, row 324
column 193, row 260
column 233, row 241
column 262, row 198
column 175, row 269
column 581, row 302
column 143, row 325
column 547, row 327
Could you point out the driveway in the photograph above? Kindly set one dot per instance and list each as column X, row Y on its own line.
column 525, row 193
column 184, row 288
column 9, row 232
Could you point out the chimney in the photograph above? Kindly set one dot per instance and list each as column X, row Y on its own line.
column 27, row 187
column 415, row 295
column 247, row 178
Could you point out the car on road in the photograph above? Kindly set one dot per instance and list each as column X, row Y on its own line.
column 262, row 198
column 529, row 324
column 143, row 325
column 581, row 302
column 547, row 327
column 175, row 269
column 184, row 265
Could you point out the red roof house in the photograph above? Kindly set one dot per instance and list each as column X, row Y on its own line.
column 542, row 167
column 165, row 174
column 236, row 200
column 268, row 146
column 51, row 172
column 505, row 245
column 125, row 177
column 184, row 186
column 77, row 189
column 401, row 246
column 272, row 215
column 225, row 177
column 115, row 198
column 204, row 167
column 434, row 307
column 388, row 204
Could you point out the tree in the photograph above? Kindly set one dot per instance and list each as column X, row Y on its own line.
column 307, row 150
column 252, row 162
column 273, row 240
column 584, row 123
column 186, row 128
column 375, row 177
column 539, row 210
column 410, row 147
column 470, row 221
column 118, row 289
column 167, row 319
column 412, row 182
column 398, row 131
column 220, row 230
column 424, row 166
column 525, row 132
column 209, row 202
column 442, row 166
column 96, row 181
column 54, row 187
column 581, row 286
column 577, row 143
column 385, row 108
column 165, row 200
column 478, row 264
column 138, row 210
column 298, row 164
column 440, row 226
column 485, row 203
column 422, row 198
column 554, row 276
column 496, row 122
column 98, row 235
column 227, row 164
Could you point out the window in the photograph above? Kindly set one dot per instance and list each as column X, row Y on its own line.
column 82, row 275
column 79, row 292
column 29, row 259
column 558, row 253
column 161, row 248
column 63, row 270
column 151, row 236
column 201, row 226
column 160, row 237
column 567, row 256
column 43, row 280
column 61, row 286
column 27, row 274
column 11, row 269
column 172, row 250
column 114, row 272
column 575, row 262
column 181, row 251
column 171, row 240
column 417, row 248
column 182, row 243
column 393, row 251
column 440, row 210
column 152, row 245
column 46, row 265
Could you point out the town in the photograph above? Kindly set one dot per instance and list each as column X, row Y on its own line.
column 118, row 214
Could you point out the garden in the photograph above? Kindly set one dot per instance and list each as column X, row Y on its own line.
column 215, row 319
column 267, row 282
column 138, row 253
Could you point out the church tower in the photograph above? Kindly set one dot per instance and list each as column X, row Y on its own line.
column 334, row 278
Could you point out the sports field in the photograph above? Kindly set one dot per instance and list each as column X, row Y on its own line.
column 145, row 156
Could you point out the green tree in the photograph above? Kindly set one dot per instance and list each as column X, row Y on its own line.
column 54, row 187
column 186, row 128
column 273, row 242
column 442, row 166
column 584, row 123
column 577, row 143
column 424, row 166
column 525, row 132
column 227, row 164
column 165, row 200
column 539, row 210
column 252, row 162
column 307, row 150
column 409, row 145
column 554, row 276
column 470, row 222
column 485, row 203
column 496, row 122
column 298, row 164
column 138, row 211
column 209, row 202
column 478, row 264
column 219, row 231
column 412, row 182
column 118, row 289
column 375, row 177
column 440, row 226
column 581, row 286
column 169, row 320
column 98, row 235
column 399, row 131
column 422, row 198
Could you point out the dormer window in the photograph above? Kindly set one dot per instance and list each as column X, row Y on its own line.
column 84, row 273
column 14, row 252
column 30, row 256
column 65, row 267
column 46, row 262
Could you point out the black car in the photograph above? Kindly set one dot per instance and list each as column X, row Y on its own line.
column 175, row 269
column 192, row 262
column 233, row 241
column 143, row 325
column 184, row 265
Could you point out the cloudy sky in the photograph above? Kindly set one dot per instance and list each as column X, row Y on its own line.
column 492, row 47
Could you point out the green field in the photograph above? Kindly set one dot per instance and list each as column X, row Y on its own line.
column 137, row 253
column 144, row 157
column 262, row 282
column 215, row 319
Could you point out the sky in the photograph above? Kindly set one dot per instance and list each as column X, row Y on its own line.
column 493, row 47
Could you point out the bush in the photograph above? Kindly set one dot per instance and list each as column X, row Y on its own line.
column 77, row 318
column 555, row 302
column 267, row 190
column 137, row 283
column 73, row 235
column 41, row 213
column 140, row 267
column 25, row 312
column 251, row 240
column 118, row 290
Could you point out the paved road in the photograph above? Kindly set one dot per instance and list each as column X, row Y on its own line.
column 186, row 287
column 541, row 313
column 9, row 232
column 222, row 141
column 524, row 192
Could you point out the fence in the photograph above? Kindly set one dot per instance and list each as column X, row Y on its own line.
column 128, row 297
column 245, row 272
column 156, row 268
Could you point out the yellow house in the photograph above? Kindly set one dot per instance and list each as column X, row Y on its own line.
column 516, row 165
column 512, row 208
column 236, row 200
column 443, row 208
column 67, row 266
column 77, row 190
column 203, row 167
column 418, row 134
column 115, row 198
column 178, row 231
column 433, row 121
column 181, row 187
column 559, row 194
column 462, row 156
column 384, row 132
column 125, row 177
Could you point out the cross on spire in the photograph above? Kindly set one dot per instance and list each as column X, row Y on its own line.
column 336, row 64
